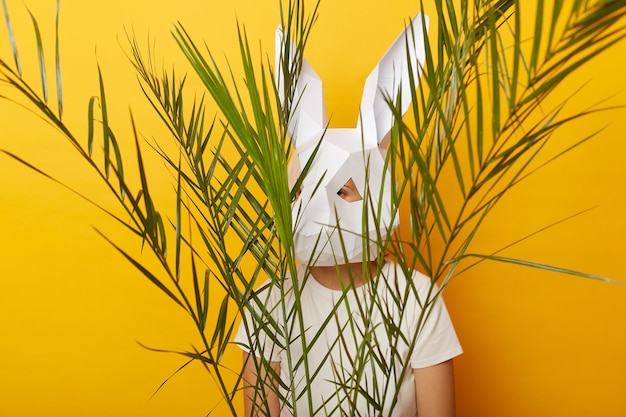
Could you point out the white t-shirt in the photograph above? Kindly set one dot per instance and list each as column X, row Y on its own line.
column 361, row 345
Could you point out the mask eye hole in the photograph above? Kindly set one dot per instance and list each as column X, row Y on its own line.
column 349, row 192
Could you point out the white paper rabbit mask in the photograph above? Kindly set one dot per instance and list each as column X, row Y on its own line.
column 327, row 229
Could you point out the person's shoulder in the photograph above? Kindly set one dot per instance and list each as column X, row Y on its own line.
column 394, row 270
column 277, row 286
column 416, row 285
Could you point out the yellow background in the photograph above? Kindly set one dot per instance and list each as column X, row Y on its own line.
column 72, row 310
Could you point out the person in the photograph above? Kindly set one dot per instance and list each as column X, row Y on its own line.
column 352, row 333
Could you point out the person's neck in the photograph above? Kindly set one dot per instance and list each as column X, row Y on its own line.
column 345, row 276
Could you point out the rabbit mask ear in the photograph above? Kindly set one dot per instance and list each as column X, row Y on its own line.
column 307, row 120
column 390, row 81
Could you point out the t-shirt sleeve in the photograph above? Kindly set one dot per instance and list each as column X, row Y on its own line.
column 252, row 335
column 437, row 341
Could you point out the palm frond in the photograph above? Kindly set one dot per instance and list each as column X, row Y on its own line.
column 483, row 115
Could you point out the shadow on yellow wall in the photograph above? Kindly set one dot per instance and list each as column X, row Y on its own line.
column 71, row 309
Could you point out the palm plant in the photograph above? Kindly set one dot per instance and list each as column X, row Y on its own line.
column 480, row 120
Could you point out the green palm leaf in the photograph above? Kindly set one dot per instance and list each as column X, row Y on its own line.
column 481, row 122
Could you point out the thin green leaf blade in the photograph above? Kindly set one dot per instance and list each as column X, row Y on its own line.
column 41, row 58
column 544, row 267
column 90, row 126
column 146, row 273
column 57, row 49
column 7, row 20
